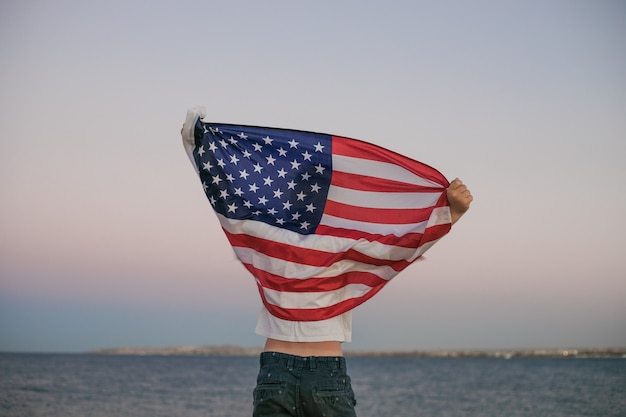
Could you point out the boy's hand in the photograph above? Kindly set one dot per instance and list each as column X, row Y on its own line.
column 460, row 198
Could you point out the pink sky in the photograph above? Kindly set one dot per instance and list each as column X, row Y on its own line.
column 107, row 239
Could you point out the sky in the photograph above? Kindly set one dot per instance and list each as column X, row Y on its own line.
column 107, row 240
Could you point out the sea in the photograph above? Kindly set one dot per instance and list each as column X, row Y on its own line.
column 88, row 385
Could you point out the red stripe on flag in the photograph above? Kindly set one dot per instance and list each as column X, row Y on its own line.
column 278, row 283
column 316, row 314
column 306, row 256
column 377, row 215
column 435, row 232
column 358, row 149
column 379, row 185
column 410, row 240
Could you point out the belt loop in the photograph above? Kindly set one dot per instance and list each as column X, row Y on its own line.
column 290, row 360
column 312, row 363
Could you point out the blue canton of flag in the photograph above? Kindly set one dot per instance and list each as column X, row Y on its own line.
column 279, row 177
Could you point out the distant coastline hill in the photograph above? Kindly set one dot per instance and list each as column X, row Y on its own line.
column 231, row 350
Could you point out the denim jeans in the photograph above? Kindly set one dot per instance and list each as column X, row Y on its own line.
column 296, row 386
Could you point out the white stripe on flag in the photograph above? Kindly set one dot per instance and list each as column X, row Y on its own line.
column 378, row 169
column 386, row 200
column 308, row 300
column 440, row 215
column 294, row 270
column 373, row 228
column 329, row 244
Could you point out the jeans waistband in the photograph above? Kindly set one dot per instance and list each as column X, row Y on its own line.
column 293, row 361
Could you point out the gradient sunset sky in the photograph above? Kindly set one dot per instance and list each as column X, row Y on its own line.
column 107, row 240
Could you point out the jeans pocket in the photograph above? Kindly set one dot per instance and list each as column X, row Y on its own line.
column 269, row 389
column 335, row 403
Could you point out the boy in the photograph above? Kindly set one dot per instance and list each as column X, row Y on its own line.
column 323, row 223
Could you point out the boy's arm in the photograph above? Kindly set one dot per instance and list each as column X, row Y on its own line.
column 460, row 198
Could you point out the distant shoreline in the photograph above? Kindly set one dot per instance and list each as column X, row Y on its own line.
column 230, row 350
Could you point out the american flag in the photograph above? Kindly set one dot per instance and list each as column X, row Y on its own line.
column 322, row 222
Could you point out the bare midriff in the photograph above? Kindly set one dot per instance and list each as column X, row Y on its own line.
column 330, row 348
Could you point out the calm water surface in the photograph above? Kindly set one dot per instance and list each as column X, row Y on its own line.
column 154, row 386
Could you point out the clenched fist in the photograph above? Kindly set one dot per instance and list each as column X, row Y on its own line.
column 460, row 198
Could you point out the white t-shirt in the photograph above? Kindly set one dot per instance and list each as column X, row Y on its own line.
column 338, row 328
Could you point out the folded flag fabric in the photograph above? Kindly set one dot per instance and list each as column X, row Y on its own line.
column 322, row 222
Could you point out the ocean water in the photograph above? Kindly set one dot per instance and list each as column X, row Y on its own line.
column 190, row 386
